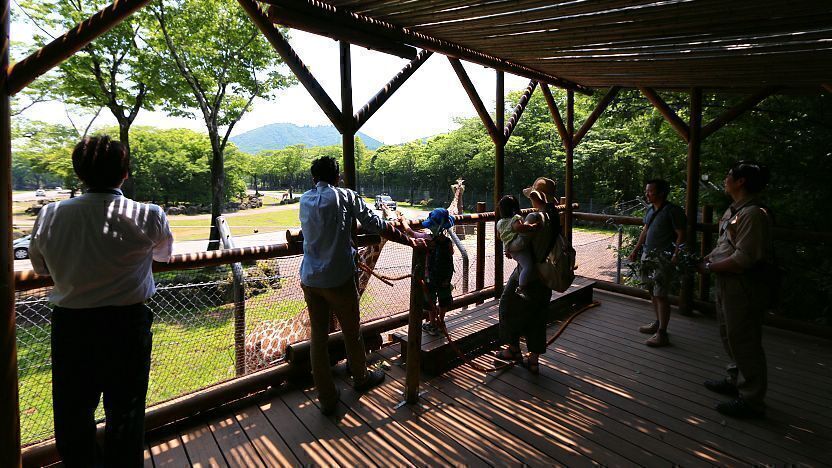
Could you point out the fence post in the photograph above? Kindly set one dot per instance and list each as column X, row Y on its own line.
column 705, row 249
column 618, row 263
column 480, row 275
column 414, row 327
column 239, row 300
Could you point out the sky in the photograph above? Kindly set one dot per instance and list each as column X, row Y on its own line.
column 426, row 105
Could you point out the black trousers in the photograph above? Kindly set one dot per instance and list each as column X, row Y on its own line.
column 520, row 318
column 101, row 351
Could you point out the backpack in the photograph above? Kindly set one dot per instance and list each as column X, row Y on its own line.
column 557, row 270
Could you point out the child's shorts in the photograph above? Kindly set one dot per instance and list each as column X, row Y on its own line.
column 440, row 293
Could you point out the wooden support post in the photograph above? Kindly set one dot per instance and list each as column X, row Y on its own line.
column 499, row 181
column 363, row 115
column 9, row 406
column 414, row 328
column 480, row 267
column 672, row 118
column 518, row 109
column 347, row 131
column 692, row 192
column 590, row 121
column 705, row 249
column 41, row 61
column 495, row 131
column 293, row 61
column 570, row 169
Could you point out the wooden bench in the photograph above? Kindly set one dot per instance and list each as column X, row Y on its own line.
column 474, row 330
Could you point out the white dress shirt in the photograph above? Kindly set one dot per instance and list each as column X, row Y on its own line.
column 99, row 249
column 326, row 215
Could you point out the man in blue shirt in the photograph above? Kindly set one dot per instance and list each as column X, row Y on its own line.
column 327, row 274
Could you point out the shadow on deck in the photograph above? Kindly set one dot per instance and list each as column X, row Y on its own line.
column 602, row 397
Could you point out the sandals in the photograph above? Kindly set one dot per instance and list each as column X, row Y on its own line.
column 506, row 355
column 534, row 368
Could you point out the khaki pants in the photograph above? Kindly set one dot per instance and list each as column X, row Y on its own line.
column 343, row 302
column 740, row 305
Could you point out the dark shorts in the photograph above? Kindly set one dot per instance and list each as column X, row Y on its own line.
column 439, row 293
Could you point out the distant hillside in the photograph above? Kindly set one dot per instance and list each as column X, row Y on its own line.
column 281, row 135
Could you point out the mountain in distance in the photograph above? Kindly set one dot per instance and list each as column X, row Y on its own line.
column 280, row 135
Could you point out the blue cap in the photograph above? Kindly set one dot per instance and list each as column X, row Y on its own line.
column 439, row 218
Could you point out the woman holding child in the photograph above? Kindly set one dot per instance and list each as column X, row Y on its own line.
column 524, row 314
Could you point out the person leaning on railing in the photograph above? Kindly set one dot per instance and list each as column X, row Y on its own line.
column 99, row 249
column 327, row 274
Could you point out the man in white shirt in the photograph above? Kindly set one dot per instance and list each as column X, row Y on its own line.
column 99, row 249
column 327, row 274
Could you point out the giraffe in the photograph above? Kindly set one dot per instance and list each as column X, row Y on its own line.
column 456, row 207
column 267, row 342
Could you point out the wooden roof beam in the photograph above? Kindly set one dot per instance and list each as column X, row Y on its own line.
column 565, row 137
column 319, row 15
column 669, row 114
column 827, row 87
column 498, row 137
column 363, row 115
column 297, row 20
column 737, row 110
column 590, row 121
column 47, row 57
column 282, row 46
column 518, row 110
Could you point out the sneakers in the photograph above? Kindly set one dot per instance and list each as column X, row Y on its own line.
column 658, row 340
column 430, row 329
column 373, row 379
column 739, row 408
column 723, row 387
column 650, row 328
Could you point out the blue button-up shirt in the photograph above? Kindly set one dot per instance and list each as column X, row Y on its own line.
column 326, row 215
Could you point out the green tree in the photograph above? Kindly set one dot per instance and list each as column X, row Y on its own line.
column 217, row 64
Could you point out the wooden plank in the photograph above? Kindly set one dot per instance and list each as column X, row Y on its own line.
column 359, row 432
column 233, row 442
column 169, row 452
column 306, row 447
column 265, row 439
column 345, row 452
column 482, row 435
column 148, row 458
column 201, row 447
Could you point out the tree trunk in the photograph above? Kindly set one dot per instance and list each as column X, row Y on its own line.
column 217, row 188
column 129, row 187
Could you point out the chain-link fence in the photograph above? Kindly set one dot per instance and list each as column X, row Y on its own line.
column 195, row 313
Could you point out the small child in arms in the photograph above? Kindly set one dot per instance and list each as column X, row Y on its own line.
column 516, row 236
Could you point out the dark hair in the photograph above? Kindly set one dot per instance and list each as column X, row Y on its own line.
column 325, row 169
column 662, row 186
column 756, row 175
column 508, row 206
column 100, row 162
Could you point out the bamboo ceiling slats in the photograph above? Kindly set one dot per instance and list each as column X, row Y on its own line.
column 668, row 44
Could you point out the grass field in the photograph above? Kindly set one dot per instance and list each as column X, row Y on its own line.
column 244, row 223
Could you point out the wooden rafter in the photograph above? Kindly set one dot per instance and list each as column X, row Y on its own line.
column 363, row 115
column 47, row 57
column 827, row 87
column 319, row 13
column 590, row 121
column 282, row 46
column 669, row 114
column 297, row 20
column 565, row 137
column 496, row 135
column 518, row 110
column 737, row 110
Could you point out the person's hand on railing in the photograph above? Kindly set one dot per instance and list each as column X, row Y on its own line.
column 418, row 244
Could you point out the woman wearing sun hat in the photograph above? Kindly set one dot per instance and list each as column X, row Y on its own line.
column 527, row 318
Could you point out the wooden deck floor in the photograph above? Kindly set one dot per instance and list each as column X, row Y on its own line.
column 602, row 397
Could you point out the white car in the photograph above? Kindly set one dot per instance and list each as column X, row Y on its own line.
column 40, row 193
column 21, row 248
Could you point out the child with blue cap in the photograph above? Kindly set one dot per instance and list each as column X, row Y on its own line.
column 440, row 265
